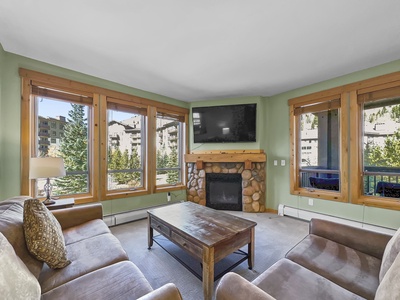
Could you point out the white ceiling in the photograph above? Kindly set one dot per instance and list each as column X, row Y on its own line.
column 196, row 50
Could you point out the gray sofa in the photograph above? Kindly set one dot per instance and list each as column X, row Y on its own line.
column 99, row 268
column 334, row 261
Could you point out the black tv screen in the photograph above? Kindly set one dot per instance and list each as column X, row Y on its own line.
column 224, row 124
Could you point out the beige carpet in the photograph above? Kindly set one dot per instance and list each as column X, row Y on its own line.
column 275, row 236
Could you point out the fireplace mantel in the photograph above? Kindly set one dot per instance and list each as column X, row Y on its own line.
column 245, row 156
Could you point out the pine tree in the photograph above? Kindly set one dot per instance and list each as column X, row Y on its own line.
column 173, row 175
column 134, row 163
column 74, row 151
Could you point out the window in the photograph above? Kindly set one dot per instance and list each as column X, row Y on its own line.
column 169, row 147
column 345, row 143
column 109, row 140
column 378, row 110
column 126, row 148
column 74, row 146
column 316, row 128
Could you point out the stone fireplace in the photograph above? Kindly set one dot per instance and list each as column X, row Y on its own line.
column 250, row 165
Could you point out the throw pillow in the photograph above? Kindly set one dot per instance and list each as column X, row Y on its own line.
column 43, row 235
column 16, row 282
column 389, row 255
column 389, row 288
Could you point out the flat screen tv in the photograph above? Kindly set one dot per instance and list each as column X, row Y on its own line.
column 224, row 124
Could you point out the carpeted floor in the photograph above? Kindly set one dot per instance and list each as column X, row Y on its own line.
column 275, row 236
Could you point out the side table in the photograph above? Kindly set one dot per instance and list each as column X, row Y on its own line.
column 61, row 203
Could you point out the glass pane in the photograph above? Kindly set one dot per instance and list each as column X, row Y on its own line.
column 319, row 153
column 168, row 143
column 381, row 145
column 125, row 161
column 62, row 131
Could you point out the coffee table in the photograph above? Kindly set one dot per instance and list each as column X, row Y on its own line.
column 207, row 234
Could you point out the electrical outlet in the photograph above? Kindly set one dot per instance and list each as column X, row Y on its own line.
column 283, row 162
column 310, row 201
column 168, row 196
column 275, row 162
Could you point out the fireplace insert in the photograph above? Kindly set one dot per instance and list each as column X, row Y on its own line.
column 224, row 191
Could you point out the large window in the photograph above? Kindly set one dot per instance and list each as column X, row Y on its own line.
column 114, row 145
column 345, row 143
column 316, row 126
column 51, row 107
column 169, row 145
column 378, row 124
column 126, row 148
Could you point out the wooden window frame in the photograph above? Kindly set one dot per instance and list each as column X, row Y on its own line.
column 352, row 190
column 319, row 102
column 98, row 165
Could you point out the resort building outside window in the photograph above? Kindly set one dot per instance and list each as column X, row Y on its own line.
column 125, row 156
column 169, row 145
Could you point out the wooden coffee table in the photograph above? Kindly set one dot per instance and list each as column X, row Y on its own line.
column 207, row 234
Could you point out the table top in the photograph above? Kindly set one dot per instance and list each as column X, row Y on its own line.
column 207, row 225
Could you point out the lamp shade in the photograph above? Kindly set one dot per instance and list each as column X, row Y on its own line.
column 46, row 167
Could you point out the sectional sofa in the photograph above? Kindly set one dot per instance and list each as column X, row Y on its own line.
column 334, row 261
column 98, row 266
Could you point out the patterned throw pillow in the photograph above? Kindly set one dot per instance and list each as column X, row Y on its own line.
column 43, row 235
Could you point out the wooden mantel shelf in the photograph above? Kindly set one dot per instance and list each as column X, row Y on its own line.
column 245, row 156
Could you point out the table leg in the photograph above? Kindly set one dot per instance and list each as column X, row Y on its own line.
column 208, row 272
column 251, row 249
column 149, row 233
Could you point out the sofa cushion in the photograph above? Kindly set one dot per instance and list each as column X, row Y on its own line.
column 288, row 280
column 43, row 235
column 16, row 281
column 122, row 280
column 353, row 270
column 86, row 256
column 89, row 229
column 389, row 287
column 391, row 252
column 11, row 225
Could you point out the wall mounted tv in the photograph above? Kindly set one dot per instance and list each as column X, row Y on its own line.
column 224, row 124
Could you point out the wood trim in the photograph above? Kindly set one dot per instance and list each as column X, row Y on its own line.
column 355, row 145
column 359, row 85
column 344, row 148
column 94, row 149
column 255, row 151
column 294, row 169
column 62, row 83
column 152, row 149
column 25, row 137
column 225, row 157
column 103, row 146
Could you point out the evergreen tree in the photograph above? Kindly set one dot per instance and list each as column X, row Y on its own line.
column 74, row 151
column 173, row 175
column 134, row 163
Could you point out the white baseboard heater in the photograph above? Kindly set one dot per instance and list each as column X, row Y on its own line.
column 129, row 216
column 284, row 210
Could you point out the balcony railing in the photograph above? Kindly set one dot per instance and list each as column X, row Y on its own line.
column 378, row 181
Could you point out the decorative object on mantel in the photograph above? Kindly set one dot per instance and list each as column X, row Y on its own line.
column 46, row 167
column 251, row 164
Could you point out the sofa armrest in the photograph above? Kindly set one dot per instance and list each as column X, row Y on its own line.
column 76, row 215
column 167, row 292
column 232, row 286
column 366, row 241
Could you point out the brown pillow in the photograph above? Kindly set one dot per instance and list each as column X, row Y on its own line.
column 43, row 235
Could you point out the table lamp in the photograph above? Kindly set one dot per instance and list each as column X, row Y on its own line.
column 46, row 167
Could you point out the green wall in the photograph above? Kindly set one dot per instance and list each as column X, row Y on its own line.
column 272, row 136
column 10, row 120
column 277, row 147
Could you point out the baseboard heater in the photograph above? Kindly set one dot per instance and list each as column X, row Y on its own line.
column 129, row 216
column 307, row 215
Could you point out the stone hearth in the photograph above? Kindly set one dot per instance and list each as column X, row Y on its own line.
column 253, row 181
